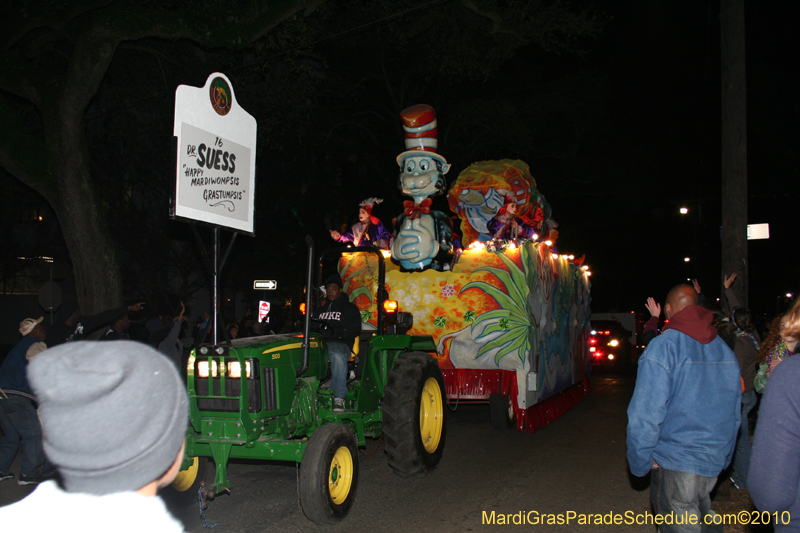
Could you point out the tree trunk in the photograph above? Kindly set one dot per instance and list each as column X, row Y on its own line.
column 58, row 166
column 92, row 250
column 734, row 146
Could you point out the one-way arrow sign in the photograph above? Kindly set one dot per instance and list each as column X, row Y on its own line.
column 265, row 284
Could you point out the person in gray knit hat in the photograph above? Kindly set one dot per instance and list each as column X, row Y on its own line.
column 114, row 417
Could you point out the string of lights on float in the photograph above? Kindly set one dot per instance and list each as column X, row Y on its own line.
column 495, row 246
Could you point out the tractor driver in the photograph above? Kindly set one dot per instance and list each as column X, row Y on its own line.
column 339, row 321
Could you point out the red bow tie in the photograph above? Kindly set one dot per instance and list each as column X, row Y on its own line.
column 413, row 210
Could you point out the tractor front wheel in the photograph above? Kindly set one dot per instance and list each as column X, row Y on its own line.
column 414, row 416
column 183, row 490
column 329, row 475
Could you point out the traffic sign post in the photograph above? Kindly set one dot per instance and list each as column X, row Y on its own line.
column 265, row 284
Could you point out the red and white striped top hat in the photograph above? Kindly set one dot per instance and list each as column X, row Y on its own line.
column 421, row 132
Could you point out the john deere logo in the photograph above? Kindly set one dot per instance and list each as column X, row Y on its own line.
column 220, row 95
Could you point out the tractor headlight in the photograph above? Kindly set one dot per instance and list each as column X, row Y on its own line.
column 235, row 369
column 614, row 342
column 202, row 369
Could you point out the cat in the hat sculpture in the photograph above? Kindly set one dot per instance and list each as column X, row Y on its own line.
column 368, row 231
column 422, row 237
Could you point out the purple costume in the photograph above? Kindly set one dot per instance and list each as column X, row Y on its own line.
column 374, row 233
column 523, row 231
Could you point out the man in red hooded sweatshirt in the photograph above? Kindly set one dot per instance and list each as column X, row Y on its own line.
column 684, row 415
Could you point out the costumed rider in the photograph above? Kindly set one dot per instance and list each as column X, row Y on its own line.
column 506, row 225
column 339, row 321
column 369, row 231
column 422, row 237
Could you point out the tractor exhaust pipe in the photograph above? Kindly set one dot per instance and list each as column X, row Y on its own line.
column 309, row 288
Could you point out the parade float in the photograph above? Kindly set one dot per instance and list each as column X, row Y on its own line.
column 504, row 319
column 509, row 314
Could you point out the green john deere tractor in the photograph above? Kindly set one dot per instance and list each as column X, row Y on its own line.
column 260, row 398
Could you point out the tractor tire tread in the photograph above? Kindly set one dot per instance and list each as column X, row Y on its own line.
column 403, row 444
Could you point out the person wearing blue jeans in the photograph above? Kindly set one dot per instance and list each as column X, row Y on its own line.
column 746, row 348
column 744, row 448
column 21, row 428
column 339, row 321
column 338, row 355
column 684, row 414
column 683, row 494
column 19, row 420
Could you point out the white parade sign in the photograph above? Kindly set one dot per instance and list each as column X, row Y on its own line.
column 216, row 156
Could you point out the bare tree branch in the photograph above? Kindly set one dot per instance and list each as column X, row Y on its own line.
column 54, row 19
column 497, row 21
column 21, row 154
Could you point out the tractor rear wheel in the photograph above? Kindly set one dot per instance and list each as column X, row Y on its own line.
column 414, row 426
column 329, row 475
column 501, row 412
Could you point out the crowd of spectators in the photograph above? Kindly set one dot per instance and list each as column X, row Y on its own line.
column 697, row 388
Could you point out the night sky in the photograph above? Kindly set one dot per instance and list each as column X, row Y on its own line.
column 619, row 135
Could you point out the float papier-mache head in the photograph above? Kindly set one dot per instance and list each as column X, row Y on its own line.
column 422, row 169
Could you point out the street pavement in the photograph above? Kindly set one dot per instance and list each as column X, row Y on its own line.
column 575, row 465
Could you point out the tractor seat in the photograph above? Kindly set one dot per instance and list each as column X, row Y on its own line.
column 355, row 366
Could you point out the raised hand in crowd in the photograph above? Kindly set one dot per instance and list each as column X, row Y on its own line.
column 182, row 316
column 653, row 307
column 136, row 306
column 697, row 287
column 728, row 280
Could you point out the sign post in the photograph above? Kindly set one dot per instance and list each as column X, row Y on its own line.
column 216, row 164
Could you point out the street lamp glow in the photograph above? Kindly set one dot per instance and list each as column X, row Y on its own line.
column 789, row 294
column 687, row 259
column 684, row 210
